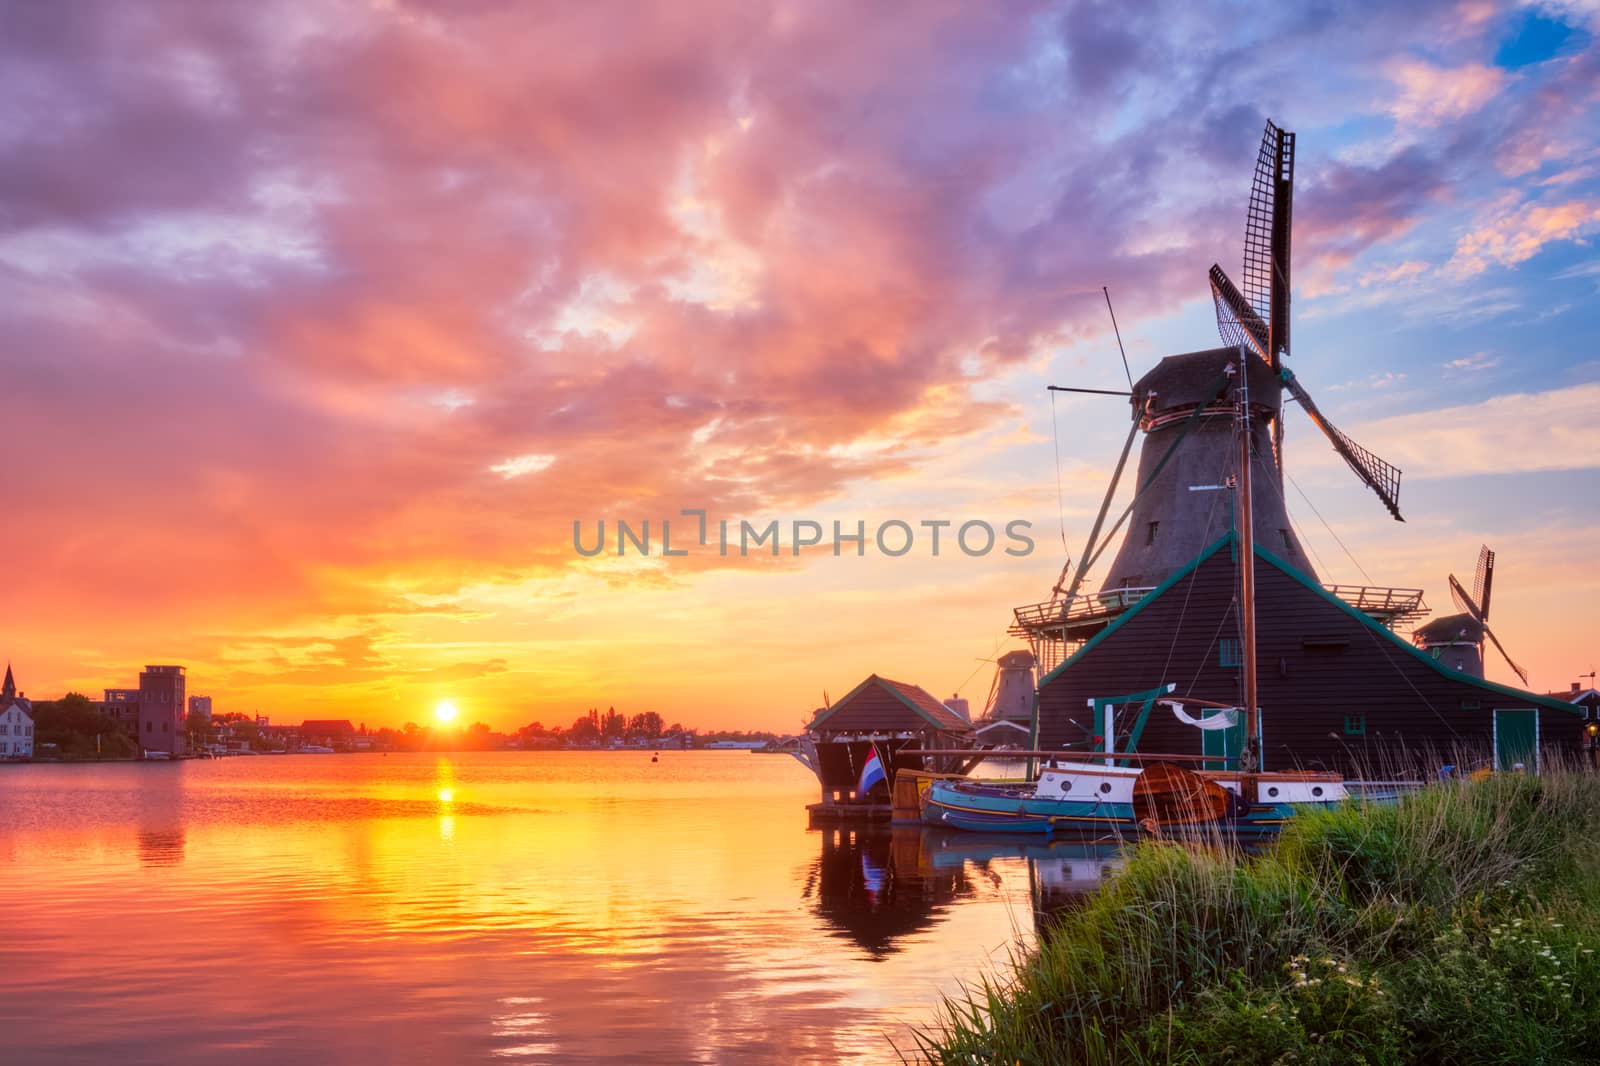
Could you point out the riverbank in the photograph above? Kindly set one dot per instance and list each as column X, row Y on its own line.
column 1458, row 926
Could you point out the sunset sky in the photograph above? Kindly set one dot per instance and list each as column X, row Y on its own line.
column 321, row 323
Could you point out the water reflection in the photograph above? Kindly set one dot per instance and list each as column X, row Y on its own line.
column 570, row 907
column 444, row 787
column 1062, row 874
column 876, row 887
column 158, row 811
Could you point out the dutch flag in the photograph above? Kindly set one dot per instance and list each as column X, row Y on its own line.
column 871, row 773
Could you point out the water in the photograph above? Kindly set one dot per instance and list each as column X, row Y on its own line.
column 543, row 907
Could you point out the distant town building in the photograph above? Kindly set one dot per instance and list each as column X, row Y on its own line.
column 200, row 706
column 16, row 723
column 1587, row 698
column 16, row 733
column 153, row 713
column 161, row 706
column 122, row 704
column 9, row 695
column 327, row 732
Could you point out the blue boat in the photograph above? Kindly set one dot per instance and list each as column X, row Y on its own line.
column 1080, row 797
column 1086, row 799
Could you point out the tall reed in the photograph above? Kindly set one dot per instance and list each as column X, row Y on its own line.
column 1456, row 924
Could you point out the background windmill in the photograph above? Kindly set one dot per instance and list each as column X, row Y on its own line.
column 1458, row 638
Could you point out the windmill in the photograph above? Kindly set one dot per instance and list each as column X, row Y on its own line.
column 1459, row 637
column 1258, row 317
column 1183, row 406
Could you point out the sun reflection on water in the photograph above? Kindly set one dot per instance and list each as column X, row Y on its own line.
column 439, row 909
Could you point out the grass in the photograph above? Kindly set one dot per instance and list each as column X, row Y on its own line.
column 1458, row 926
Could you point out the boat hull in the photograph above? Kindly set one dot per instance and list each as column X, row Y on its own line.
column 978, row 808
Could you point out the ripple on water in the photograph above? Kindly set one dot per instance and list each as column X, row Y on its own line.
column 571, row 907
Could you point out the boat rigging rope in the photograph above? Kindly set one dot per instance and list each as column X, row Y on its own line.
column 1188, row 424
column 1183, row 612
column 1329, row 528
column 1061, row 502
column 993, row 657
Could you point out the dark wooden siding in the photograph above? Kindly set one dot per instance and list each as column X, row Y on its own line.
column 873, row 708
column 1317, row 666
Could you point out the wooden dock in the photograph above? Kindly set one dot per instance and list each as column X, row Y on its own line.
column 831, row 814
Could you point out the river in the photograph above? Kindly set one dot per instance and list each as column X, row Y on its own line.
column 560, row 907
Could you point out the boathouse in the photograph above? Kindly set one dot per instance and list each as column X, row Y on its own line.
column 882, row 716
column 1338, row 690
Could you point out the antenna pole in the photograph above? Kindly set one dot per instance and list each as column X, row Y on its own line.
column 1118, row 332
column 1249, row 758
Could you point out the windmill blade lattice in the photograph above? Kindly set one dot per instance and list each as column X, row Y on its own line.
column 1258, row 224
column 1519, row 671
column 1237, row 321
column 1381, row 477
column 1483, row 581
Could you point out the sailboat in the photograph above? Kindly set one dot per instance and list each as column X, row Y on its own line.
column 1099, row 797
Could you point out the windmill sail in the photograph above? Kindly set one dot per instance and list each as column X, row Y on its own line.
column 1477, row 609
column 1239, row 323
column 1266, row 239
column 1519, row 671
column 1381, row 477
column 1237, row 320
column 1483, row 581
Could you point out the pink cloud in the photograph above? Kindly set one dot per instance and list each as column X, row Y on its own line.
column 1516, row 235
column 1429, row 95
column 281, row 287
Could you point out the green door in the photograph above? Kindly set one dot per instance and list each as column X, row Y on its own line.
column 1516, row 740
column 1225, row 744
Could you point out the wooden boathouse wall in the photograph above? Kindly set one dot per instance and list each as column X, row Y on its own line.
column 1338, row 691
column 886, row 716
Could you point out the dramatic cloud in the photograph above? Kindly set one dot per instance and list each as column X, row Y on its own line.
column 324, row 322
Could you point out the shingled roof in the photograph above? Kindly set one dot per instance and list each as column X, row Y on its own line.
column 909, row 707
column 327, row 727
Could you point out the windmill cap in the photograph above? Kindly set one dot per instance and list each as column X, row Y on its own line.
column 1450, row 629
column 1191, row 378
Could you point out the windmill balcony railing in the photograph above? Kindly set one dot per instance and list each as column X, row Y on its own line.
column 1092, row 607
column 1388, row 605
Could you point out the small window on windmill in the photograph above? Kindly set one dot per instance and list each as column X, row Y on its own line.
column 1288, row 545
column 1230, row 653
column 1150, row 532
column 1355, row 725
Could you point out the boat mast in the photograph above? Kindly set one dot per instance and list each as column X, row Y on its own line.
column 1249, row 758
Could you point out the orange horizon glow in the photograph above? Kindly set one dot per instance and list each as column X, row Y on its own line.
column 310, row 399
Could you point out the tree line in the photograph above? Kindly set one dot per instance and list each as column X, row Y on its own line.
column 79, row 730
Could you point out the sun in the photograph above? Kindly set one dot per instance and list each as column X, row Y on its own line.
column 446, row 712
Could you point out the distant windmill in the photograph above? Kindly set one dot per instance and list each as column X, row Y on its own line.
column 1460, row 636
